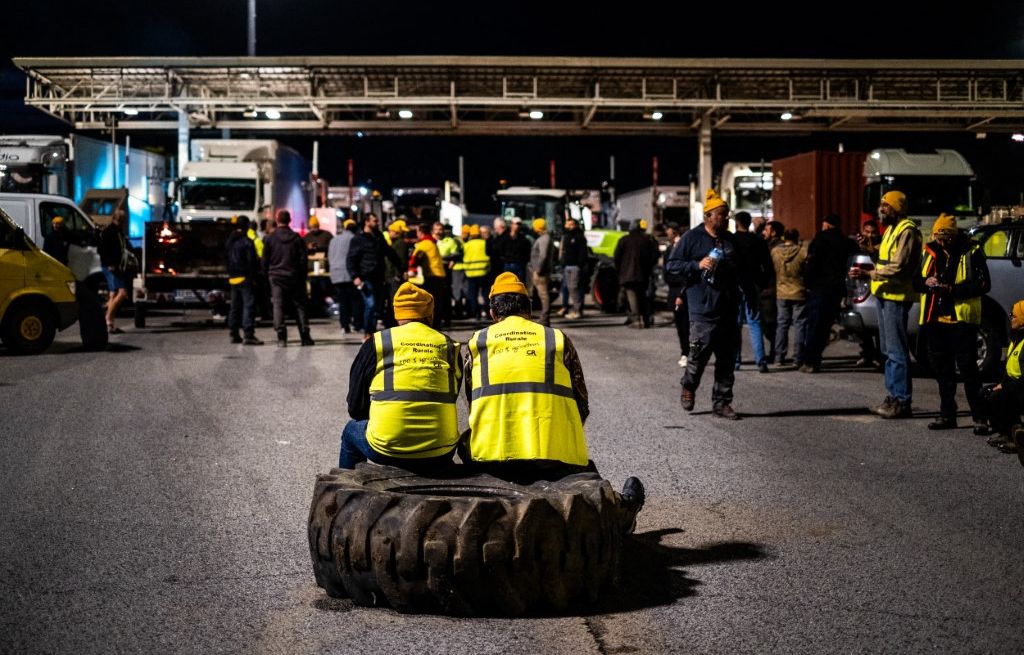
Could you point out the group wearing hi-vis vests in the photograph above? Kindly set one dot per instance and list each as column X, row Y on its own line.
column 523, row 382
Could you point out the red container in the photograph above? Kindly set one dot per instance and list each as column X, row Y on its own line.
column 810, row 185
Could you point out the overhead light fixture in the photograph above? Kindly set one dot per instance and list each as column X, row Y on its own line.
column 1018, row 137
column 383, row 113
column 653, row 115
column 250, row 112
column 130, row 111
column 536, row 114
column 272, row 114
column 405, row 114
column 787, row 116
column 359, row 135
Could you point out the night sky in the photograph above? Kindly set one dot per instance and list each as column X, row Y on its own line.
column 718, row 29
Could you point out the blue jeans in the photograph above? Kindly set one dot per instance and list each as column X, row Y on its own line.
column 892, row 335
column 243, row 300
column 373, row 302
column 474, row 287
column 518, row 269
column 753, row 318
column 790, row 312
column 355, row 449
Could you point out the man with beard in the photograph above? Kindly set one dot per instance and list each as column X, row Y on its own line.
column 892, row 282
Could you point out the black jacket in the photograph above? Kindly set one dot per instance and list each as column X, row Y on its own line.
column 241, row 256
column 756, row 269
column 56, row 245
column 574, row 251
column 827, row 261
column 366, row 257
column 495, row 250
column 635, row 256
column 939, row 302
column 111, row 247
column 284, row 255
column 711, row 303
column 516, row 250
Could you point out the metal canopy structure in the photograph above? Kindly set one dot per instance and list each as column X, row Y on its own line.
column 496, row 95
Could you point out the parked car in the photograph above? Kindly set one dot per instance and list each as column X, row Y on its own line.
column 1003, row 245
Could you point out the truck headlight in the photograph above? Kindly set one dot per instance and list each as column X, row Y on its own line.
column 71, row 286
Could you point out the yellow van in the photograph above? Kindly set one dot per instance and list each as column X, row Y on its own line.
column 37, row 293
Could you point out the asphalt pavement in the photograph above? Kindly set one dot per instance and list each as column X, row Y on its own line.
column 155, row 499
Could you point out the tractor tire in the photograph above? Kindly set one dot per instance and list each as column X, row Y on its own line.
column 474, row 545
column 606, row 290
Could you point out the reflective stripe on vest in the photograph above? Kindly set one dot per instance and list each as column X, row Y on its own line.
column 413, row 393
column 967, row 310
column 523, row 406
column 898, row 290
column 475, row 261
column 1013, row 360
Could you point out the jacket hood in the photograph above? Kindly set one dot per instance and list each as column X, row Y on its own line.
column 789, row 251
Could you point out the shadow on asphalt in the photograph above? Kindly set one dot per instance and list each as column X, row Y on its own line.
column 822, row 411
column 59, row 348
column 651, row 575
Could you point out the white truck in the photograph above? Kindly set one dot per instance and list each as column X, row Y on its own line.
column 666, row 204
column 429, row 204
column 934, row 182
column 183, row 261
column 83, row 169
column 747, row 186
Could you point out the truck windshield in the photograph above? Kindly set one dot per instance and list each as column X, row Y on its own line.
column 752, row 192
column 218, row 193
column 22, row 179
column 420, row 207
column 927, row 195
column 550, row 209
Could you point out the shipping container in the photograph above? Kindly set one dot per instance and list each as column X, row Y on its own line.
column 810, row 185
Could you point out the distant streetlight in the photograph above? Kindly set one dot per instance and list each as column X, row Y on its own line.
column 405, row 113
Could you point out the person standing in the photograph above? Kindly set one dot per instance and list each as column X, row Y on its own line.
column 892, row 282
column 450, row 249
column 477, row 265
column 515, row 251
column 316, row 239
column 791, row 295
column 954, row 276
column 540, row 265
column 317, row 243
column 867, row 241
column 365, row 262
column 345, row 292
column 113, row 255
column 756, row 273
column 56, row 244
column 458, row 273
column 677, row 293
column 826, row 266
column 708, row 256
column 634, row 263
column 496, row 242
column 243, row 267
column 572, row 255
column 286, row 266
column 427, row 258
column 394, row 275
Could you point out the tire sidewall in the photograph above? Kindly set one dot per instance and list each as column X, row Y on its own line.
column 29, row 328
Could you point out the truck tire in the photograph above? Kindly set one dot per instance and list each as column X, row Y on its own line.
column 29, row 327
column 606, row 289
column 989, row 348
column 465, row 546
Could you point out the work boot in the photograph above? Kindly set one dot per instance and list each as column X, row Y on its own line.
column 885, row 407
column 807, row 368
column 251, row 340
column 282, row 338
column 896, row 409
column 633, row 497
column 1018, row 438
column 235, row 338
column 306, row 339
column 982, row 428
column 763, row 367
column 997, row 440
column 725, row 411
column 1009, row 448
column 687, row 399
column 943, row 423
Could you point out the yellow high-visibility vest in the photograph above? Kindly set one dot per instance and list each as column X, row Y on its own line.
column 413, row 393
column 257, row 242
column 968, row 310
column 475, row 261
column 1013, row 360
column 523, row 406
column 434, row 265
column 899, row 290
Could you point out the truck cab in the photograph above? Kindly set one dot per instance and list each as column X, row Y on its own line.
column 934, row 182
column 747, row 186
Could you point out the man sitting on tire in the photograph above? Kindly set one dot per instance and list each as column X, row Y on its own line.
column 402, row 391
column 527, row 396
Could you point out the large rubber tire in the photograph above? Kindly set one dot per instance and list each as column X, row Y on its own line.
column 29, row 327
column 989, row 349
column 606, row 289
column 466, row 546
column 140, row 314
